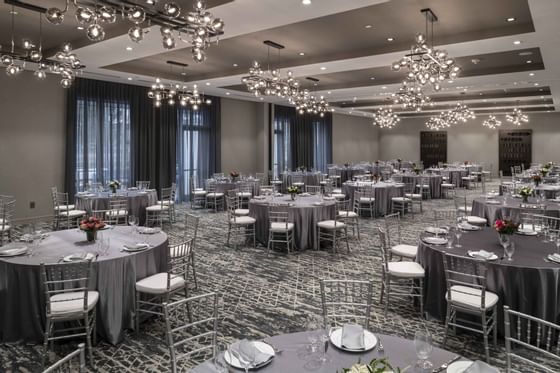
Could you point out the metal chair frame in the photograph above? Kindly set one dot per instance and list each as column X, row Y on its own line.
column 346, row 301
column 278, row 214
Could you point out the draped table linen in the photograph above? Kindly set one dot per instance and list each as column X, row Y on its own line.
column 511, row 208
column 302, row 212
column 384, row 191
column 309, row 178
column 22, row 301
column 433, row 180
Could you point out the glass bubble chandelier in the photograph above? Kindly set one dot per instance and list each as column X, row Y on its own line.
column 201, row 28
column 459, row 114
column 385, row 118
column 492, row 122
column 411, row 96
column 517, row 117
column 174, row 93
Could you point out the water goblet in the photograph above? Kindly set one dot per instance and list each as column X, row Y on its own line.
column 219, row 358
column 509, row 249
column 423, row 346
column 324, row 342
column 133, row 222
column 247, row 353
column 458, row 234
column 557, row 242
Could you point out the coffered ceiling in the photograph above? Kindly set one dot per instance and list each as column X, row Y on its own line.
column 343, row 44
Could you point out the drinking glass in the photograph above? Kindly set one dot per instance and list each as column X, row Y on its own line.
column 458, row 234
column 133, row 221
column 324, row 342
column 423, row 346
column 248, row 354
column 219, row 361
column 450, row 236
column 509, row 249
column 557, row 242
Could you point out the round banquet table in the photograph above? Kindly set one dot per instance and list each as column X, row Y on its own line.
column 303, row 213
column 137, row 201
column 400, row 353
column 309, row 178
column 512, row 209
column 434, row 182
column 225, row 186
column 455, row 175
column 384, row 191
column 549, row 191
column 114, row 276
column 527, row 284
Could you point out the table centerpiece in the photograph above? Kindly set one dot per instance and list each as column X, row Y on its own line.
column 234, row 175
column 525, row 193
column 114, row 185
column 293, row 190
column 374, row 366
column 537, row 179
column 91, row 225
column 505, row 228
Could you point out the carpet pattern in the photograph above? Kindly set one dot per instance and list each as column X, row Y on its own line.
column 264, row 295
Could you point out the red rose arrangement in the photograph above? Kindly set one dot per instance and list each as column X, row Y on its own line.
column 234, row 174
column 505, row 226
column 91, row 224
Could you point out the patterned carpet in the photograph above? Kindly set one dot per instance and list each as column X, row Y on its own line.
column 263, row 296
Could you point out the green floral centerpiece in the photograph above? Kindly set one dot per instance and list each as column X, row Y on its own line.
column 416, row 169
column 114, row 185
column 545, row 171
column 293, row 190
column 374, row 366
column 525, row 193
column 549, row 165
column 301, row 169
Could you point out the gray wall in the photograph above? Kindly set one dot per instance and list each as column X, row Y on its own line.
column 32, row 141
column 471, row 141
column 354, row 139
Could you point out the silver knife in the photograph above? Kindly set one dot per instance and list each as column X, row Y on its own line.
column 446, row 364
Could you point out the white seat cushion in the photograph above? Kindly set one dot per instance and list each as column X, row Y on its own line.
column 157, row 284
column 413, row 195
column 157, row 208
column 243, row 220
column 347, row 214
column 72, row 213
column 463, row 209
column 72, row 302
column 425, row 186
column 467, row 178
column 400, row 199
column 64, row 207
column 447, row 185
column 298, row 183
column 339, row 195
column 199, row 192
column 367, row 199
column 241, row 212
column 470, row 297
column 117, row 212
column 406, row 251
column 476, row 220
column 281, row 227
column 331, row 224
column 244, row 194
column 214, row 195
column 4, row 228
column 337, row 190
column 198, row 189
column 406, row 269
column 167, row 202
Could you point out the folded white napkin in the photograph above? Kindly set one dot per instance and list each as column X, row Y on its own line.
column 353, row 337
column 13, row 252
column 80, row 256
column 482, row 254
column 554, row 257
column 136, row 246
column 435, row 240
column 481, row 367
column 260, row 357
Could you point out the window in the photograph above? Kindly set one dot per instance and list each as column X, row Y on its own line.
column 282, row 149
column 102, row 142
column 321, row 145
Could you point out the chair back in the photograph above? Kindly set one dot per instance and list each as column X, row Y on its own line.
column 7, row 212
column 297, row 178
column 166, row 196
column 397, row 178
column 409, row 188
column 178, row 261
column 191, row 226
column 278, row 214
column 313, row 189
column 445, row 218
column 232, row 204
column 383, row 247
column 460, row 201
column 531, row 341
column 63, row 278
column 467, row 273
column 393, row 229
column 346, row 301
column 66, row 364
column 143, row 185
column 118, row 204
column 195, row 336
column 211, row 186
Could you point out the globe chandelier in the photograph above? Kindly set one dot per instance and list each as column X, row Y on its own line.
column 517, row 117
column 462, row 113
column 385, row 118
column 437, row 123
column 425, row 64
column 65, row 63
column 200, row 27
column 411, row 96
column 492, row 122
column 459, row 114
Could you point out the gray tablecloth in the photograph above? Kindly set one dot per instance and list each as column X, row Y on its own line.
column 511, row 209
column 137, row 201
column 223, row 187
column 434, row 181
column 527, row 284
column 22, row 303
column 309, row 178
column 304, row 214
column 399, row 351
column 383, row 194
column 455, row 175
column 548, row 190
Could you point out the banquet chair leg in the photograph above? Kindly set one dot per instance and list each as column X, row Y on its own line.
column 447, row 319
column 495, row 326
column 381, row 293
column 485, row 335
column 88, row 340
column 46, row 343
column 388, row 295
column 346, row 238
column 194, row 273
column 421, row 296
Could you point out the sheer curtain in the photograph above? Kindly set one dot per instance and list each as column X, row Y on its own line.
column 322, row 139
column 283, row 121
column 197, row 147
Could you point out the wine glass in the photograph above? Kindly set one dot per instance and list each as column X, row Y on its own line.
column 423, row 346
column 557, row 242
column 218, row 360
column 450, row 235
column 248, row 354
column 133, row 221
column 458, row 234
column 509, row 249
column 324, row 342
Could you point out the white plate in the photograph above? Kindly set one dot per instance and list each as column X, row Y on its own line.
column 528, row 232
column 305, row 195
column 149, row 230
column 370, row 340
column 435, row 230
column 458, row 366
column 493, row 202
column 78, row 257
column 318, row 203
column 13, row 252
column 553, row 258
column 259, row 197
column 261, row 346
column 106, row 226
column 468, row 227
column 135, row 249
column 473, row 254
column 435, row 240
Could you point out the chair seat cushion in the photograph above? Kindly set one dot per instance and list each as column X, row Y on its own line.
column 339, row 195
column 117, row 212
column 72, row 302
column 244, row 194
column 400, row 199
column 72, row 213
column 281, row 227
column 214, row 195
column 367, row 199
column 476, row 220
column 199, row 192
column 243, row 220
column 423, row 186
column 447, row 185
column 406, row 269
column 413, row 195
column 470, row 297
column 298, row 183
column 347, row 214
column 157, row 284
column 4, row 228
column 466, row 178
column 241, row 212
column 157, row 208
column 64, row 207
column 331, row 224
column 465, row 209
column 406, row 251
column 167, row 202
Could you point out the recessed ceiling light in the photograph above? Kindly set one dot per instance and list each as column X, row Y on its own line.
column 485, row 100
column 302, row 53
column 450, row 81
column 129, row 48
column 80, row 28
column 542, row 96
column 390, row 39
column 323, row 68
column 329, row 92
column 262, row 98
column 529, row 61
column 14, row 12
column 372, row 78
column 183, row 73
column 129, row 78
column 227, row 93
column 306, row 2
column 536, row 84
column 541, row 89
column 208, row 83
column 531, row 74
column 368, row 26
column 235, row 65
column 511, row 19
column 517, row 42
column 383, row 87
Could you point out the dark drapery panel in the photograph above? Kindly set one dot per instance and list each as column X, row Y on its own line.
column 302, row 141
column 284, row 117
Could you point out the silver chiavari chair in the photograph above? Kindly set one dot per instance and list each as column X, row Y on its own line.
column 401, row 279
column 347, row 215
column 333, row 231
column 280, row 230
column 394, row 238
column 68, row 298
column 214, row 199
column 346, row 301
column 244, row 194
column 198, row 195
column 529, row 339
column 423, row 187
column 364, row 200
column 155, row 213
column 196, row 337
column 142, row 185
column 239, row 226
column 7, row 213
column 190, row 235
column 67, row 364
column 467, row 294
column 313, row 189
column 64, row 214
column 297, row 180
column 118, row 211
